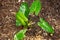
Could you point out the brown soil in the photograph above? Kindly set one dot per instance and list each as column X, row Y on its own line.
column 50, row 11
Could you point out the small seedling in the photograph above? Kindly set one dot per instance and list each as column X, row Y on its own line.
column 22, row 18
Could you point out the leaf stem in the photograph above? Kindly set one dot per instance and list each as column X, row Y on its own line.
column 31, row 23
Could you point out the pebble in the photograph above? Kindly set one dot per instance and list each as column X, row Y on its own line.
column 45, row 34
column 19, row 1
column 40, row 32
column 51, row 34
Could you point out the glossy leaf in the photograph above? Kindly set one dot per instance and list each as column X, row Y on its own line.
column 20, row 20
column 22, row 16
column 22, row 13
column 45, row 26
column 24, row 8
column 20, row 35
column 35, row 7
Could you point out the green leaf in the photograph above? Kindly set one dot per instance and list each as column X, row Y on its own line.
column 20, row 20
column 24, row 8
column 23, row 14
column 18, row 23
column 42, row 26
column 20, row 35
column 35, row 7
column 45, row 26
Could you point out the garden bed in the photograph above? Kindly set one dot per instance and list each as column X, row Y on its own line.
column 50, row 11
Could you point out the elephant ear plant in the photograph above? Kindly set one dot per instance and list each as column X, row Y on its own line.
column 22, row 19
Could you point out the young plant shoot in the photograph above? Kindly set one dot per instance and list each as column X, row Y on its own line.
column 45, row 26
column 22, row 19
